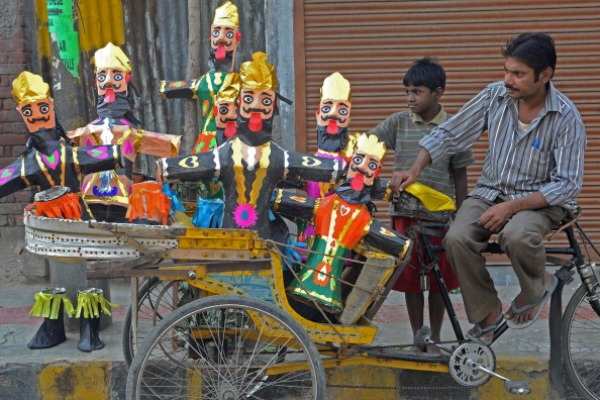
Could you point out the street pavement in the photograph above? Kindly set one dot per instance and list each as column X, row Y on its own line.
column 530, row 345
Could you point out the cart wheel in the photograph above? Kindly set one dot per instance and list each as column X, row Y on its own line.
column 156, row 299
column 227, row 348
column 581, row 341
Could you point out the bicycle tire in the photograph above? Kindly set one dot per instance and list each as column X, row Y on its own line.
column 579, row 307
column 191, row 310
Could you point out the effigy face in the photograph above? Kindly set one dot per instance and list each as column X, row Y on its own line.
column 38, row 115
column 111, row 81
column 257, row 106
column 363, row 170
column 333, row 115
column 227, row 117
column 224, row 41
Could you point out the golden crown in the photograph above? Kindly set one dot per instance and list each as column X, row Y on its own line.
column 335, row 87
column 227, row 15
column 29, row 87
column 368, row 143
column 258, row 74
column 111, row 56
column 230, row 88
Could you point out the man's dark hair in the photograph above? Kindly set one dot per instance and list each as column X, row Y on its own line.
column 535, row 49
column 425, row 72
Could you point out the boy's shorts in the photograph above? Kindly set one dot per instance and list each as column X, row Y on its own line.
column 408, row 281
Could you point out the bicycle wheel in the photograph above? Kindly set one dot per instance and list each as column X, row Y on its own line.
column 581, row 340
column 223, row 347
column 156, row 299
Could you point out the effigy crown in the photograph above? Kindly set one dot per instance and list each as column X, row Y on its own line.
column 227, row 15
column 111, row 56
column 335, row 87
column 28, row 87
column 258, row 74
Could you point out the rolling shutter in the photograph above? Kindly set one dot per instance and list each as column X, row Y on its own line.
column 372, row 43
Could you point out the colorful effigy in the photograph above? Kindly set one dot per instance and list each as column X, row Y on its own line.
column 341, row 221
column 107, row 192
column 49, row 160
column 224, row 39
column 250, row 165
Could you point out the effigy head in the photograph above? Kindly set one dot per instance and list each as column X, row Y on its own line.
column 366, row 161
column 34, row 103
column 257, row 99
column 226, row 109
column 224, row 32
column 333, row 114
column 113, row 72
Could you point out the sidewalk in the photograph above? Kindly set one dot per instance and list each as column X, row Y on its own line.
column 64, row 372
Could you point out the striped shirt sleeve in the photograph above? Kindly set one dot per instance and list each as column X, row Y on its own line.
column 459, row 132
column 566, row 179
column 386, row 131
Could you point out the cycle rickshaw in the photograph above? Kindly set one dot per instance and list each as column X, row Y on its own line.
column 213, row 321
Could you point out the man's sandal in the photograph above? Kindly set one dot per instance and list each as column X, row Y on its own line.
column 515, row 310
column 485, row 334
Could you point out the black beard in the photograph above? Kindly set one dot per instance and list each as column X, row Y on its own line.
column 120, row 108
column 346, row 192
column 333, row 143
column 252, row 138
column 222, row 65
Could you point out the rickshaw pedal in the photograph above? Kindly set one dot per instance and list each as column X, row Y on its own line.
column 517, row 387
column 513, row 387
column 423, row 337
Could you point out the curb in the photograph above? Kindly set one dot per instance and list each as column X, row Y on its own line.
column 105, row 380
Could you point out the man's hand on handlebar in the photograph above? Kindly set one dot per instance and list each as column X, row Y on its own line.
column 401, row 179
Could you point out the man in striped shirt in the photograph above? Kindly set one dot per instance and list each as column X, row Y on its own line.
column 531, row 176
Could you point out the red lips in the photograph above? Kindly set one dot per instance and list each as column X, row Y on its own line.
column 230, row 129
column 256, row 123
column 357, row 182
column 332, row 127
column 220, row 52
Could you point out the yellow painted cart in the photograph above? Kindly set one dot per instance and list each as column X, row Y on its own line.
column 212, row 320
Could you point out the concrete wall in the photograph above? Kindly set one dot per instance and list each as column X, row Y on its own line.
column 15, row 55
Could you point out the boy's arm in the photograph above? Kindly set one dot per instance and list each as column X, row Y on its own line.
column 460, row 184
column 458, row 169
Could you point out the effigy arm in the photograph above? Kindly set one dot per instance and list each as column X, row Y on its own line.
column 97, row 158
column 307, row 167
column 291, row 205
column 192, row 168
column 179, row 89
column 386, row 240
column 382, row 189
column 11, row 179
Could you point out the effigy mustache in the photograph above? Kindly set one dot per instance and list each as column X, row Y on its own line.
column 324, row 118
column 224, row 42
column 258, row 110
column 38, row 119
column 362, row 171
column 110, row 85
